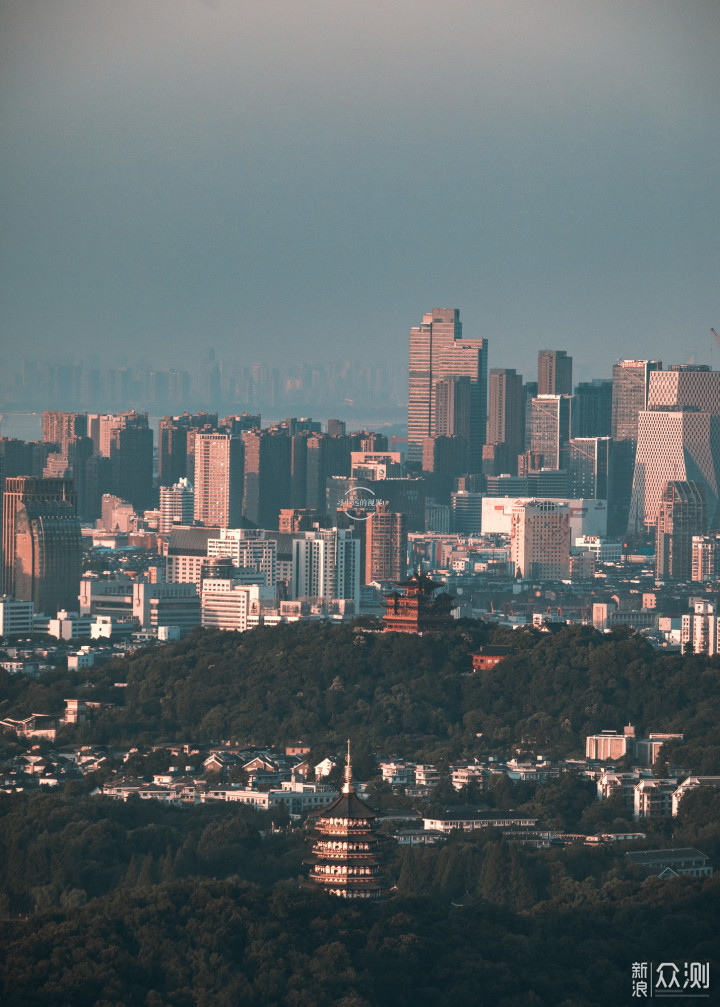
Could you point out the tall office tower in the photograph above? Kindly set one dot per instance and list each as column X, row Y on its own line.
column 60, row 428
column 506, row 429
column 530, row 391
column 386, row 546
column 267, row 476
column 592, row 409
column 554, row 372
column 336, row 428
column 630, row 386
column 678, row 440
column 326, row 564
column 173, row 443
column 219, row 475
column 550, row 429
column 177, row 506
column 456, row 405
column 540, row 540
column 706, row 557
column 42, row 548
column 681, row 516
column 466, row 513
column 444, row 460
column 437, row 351
column 589, row 468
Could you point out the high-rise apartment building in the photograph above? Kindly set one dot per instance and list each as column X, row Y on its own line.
column 540, row 539
column 42, row 548
column 173, row 444
column 268, row 459
column 706, row 557
column 550, row 429
column 678, row 440
column 60, row 428
column 506, row 426
column 681, row 516
column 437, row 351
column 326, row 564
column 386, row 545
column 127, row 440
column 177, row 505
column 554, row 372
column 219, row 476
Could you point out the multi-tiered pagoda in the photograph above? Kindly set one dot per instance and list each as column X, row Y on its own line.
column 415, row 608
column 345, row 852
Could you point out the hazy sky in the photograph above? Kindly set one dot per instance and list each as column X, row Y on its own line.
column 296, row 178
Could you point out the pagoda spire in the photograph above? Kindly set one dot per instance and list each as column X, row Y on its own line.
column 347, row 786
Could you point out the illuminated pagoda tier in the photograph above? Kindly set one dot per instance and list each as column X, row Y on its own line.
column 345, row 853
column 416, row 608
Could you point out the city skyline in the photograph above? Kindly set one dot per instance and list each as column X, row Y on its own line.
column 302, row 180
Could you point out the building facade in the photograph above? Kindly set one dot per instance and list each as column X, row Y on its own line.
column 681, row 517
column 540, row 540
column 438, row 351
column 42, row 547
column 177, row 505
column 219, row 477
column 554, row 372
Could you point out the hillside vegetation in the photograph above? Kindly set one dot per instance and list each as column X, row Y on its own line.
column 393, row 692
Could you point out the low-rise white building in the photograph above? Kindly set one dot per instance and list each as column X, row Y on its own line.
column 16, row 616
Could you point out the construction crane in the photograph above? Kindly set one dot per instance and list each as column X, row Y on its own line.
column 717, row 337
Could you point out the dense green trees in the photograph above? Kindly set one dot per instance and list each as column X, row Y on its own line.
column 108, row 904
column 393, row 692
column 227, row 942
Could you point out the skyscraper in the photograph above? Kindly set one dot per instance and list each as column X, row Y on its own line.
column 326, row 564
column 437, row 351
column 550, row 429
column 60, row 428
column 554, row 372
column 681, row 516
column 127, row 440
column 592, row 409
column 218, row 479
column 267, row 491
column 505, row 417
column 630, row 385
column 42, row 549
column 589, row 469
column 678, row 440
column 173, row 444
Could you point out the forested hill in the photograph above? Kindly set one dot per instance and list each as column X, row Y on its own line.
column 394, row 692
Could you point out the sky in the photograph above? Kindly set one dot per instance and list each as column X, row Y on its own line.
column 295, row 181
